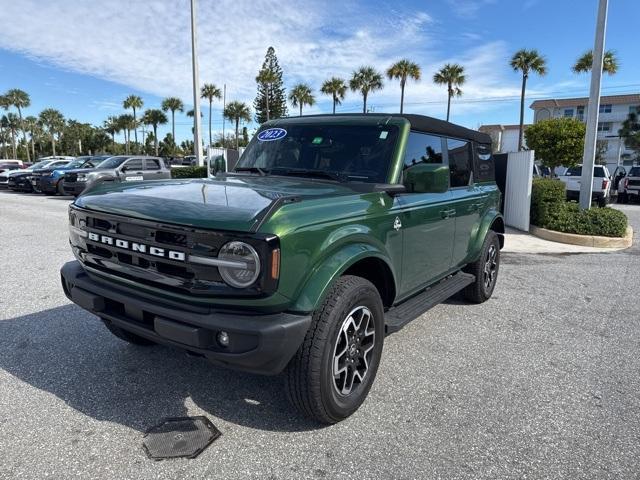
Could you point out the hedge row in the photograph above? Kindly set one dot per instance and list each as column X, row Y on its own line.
column 189, row 172
column 549, row 209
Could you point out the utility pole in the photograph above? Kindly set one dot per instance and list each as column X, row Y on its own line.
column 224, row 105
column 588, row 160
column 197, row 140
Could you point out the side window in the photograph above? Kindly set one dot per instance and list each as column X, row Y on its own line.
column 422, row 151
column 152, row 164
column 460, row 165
column 134, row 164
column 485, row 165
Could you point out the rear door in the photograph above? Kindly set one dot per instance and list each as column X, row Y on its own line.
column 132, row 170
column 426, row 219
column 153, row 169
column 468, row 199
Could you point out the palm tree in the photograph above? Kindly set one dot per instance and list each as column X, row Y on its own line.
column 134, row 102
column 154, row 117
column 210, row 91
column 526, row 61
column 301, row 95
column 235, row 112
column 53, row 121
column 31, row 126
column 609, row 63
column 127, row 123
column 111, row 126
column 451, row 75
column 403, row 70
column 267, row 77
column 20, row 99
column 173, row 104
column 4, row 104
column 337, row 88
column 365, row 80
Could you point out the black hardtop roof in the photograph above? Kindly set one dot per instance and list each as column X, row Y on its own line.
column 420, row 123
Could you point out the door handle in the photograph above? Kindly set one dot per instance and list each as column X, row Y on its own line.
column 448, row 213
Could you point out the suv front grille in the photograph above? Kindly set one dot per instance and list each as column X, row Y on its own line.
column 159, row 271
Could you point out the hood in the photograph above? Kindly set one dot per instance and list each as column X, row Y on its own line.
column 236, row 203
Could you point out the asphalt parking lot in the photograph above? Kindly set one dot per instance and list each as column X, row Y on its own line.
column 542, row 381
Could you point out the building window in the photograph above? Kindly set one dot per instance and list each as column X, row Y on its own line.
column 634, row 109
column 605, row 108
column 568, row 112
column 604, row 126
column 580, row 113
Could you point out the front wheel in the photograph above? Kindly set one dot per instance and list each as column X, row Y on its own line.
column 485, row 270
column 334, row 368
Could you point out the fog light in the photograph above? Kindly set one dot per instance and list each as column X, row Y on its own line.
column 223, row 339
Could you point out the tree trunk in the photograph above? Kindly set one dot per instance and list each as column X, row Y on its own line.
column 53, row 144
column 113, row 139
column 364, row 102
column 173, row 125
column 521, row 131
column 334, row 103
column 401, row 96
column 266, row 98
column 4, row 145
column 448, row 101
column 155, row 138
column 300, row 108
column 135, row 129
column 33, row 147
column 210, row 142
column 24, row 134
column 13, row 143
column 237, row 144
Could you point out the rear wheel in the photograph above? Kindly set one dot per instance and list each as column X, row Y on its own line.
column 126, row 336
column 60, row 188
column 334, row 368
column 485, row 270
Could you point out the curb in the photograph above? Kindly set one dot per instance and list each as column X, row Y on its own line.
column 584, row 240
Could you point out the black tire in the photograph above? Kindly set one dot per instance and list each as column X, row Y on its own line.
column 602, row 202
column 482, row 289
column 309, row 378
column 60, row 188
column 127, row 336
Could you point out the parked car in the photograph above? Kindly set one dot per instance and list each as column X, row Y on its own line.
column 189, row 161
column 601, row 190
column 50, row 178
column 629, row 186
column 20, row 180
column 331, row 232
column 125, row 168
column 6, row 165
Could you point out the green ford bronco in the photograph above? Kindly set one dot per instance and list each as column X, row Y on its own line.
column 331, row 232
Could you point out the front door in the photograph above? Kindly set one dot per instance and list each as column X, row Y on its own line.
column 132, row 170
column 426, row 219
column 152, row 170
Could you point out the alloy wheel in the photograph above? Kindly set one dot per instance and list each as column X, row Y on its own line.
column 353, row 350
column 490, row 267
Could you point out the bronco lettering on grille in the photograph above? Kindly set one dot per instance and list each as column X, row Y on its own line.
column 137, row 247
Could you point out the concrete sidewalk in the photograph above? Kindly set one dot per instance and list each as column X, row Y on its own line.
column 516, row 241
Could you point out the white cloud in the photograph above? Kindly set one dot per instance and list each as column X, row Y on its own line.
column 146, row 46
column 468, row 8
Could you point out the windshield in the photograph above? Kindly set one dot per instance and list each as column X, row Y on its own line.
column 598, row 172
column 41, row 164
column 351, row 152
column 634, row 172
column 113, row 162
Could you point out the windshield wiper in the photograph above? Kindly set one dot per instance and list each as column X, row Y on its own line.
column 304, row 172
column 252, row 170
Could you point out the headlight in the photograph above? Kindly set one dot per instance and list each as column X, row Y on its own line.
column 82, row 178
column 244, row 264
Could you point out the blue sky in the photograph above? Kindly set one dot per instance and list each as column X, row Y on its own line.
column 84, row 60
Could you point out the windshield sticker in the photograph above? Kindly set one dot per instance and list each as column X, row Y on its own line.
column 271, row 134
column 383, row 135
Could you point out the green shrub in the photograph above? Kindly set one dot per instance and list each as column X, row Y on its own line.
column 569, row 218
column 189, row 172
column 545, row 191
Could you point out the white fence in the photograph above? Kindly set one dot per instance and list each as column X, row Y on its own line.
column 517, row 196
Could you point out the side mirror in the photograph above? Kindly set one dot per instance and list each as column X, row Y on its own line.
column 427, row 178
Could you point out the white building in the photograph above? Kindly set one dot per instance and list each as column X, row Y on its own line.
column 614, row 109
column 504, row 137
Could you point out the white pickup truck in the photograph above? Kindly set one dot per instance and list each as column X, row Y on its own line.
column 601, row 190
column 629, row 186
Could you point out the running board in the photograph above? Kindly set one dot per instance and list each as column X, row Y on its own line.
column 398, row 317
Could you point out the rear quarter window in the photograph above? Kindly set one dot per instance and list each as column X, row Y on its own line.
column 484, row 163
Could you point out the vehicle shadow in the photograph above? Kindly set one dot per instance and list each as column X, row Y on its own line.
column 69, row 353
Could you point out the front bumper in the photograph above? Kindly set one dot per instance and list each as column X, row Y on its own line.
column 73, row 188
column 48, row 184
column 259, row 343
column 21, row 184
